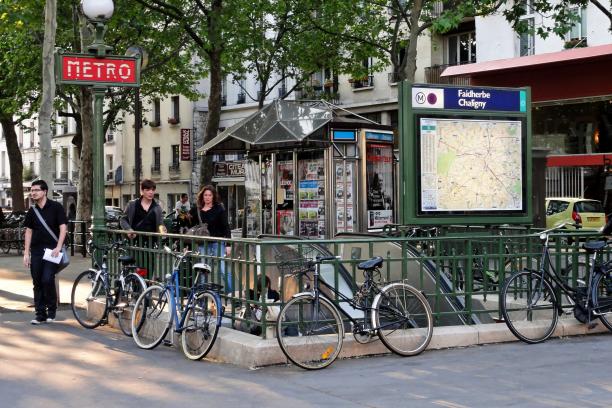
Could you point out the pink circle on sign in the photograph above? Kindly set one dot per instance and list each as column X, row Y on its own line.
column 432, row 98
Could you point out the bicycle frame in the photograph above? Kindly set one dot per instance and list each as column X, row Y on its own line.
column 371, row 287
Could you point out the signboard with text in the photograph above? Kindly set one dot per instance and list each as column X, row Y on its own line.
column 88, row 70
column 185, row 144
column 465, row 154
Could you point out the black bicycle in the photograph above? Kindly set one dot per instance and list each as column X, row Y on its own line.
column 94, row 295
column 310, row 330
column 530, row 305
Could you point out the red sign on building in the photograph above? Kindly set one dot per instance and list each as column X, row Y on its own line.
column 185, row 144
column 87, row 70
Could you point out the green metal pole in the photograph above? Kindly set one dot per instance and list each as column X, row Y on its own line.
column 98, row 164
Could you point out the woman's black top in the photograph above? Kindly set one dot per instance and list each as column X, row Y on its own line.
column 216, row 218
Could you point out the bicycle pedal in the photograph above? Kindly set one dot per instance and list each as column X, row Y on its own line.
column 167, row 343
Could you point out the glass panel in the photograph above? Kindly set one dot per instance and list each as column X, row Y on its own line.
column 252, row 188
column 266, row 193
column 379, row 179
column 346, row 190
column 285, row 189
column 311, row 179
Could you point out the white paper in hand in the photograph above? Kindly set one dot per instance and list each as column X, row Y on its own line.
column 48, row 257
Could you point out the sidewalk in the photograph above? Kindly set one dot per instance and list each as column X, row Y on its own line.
column 240, row 348
column 16, row 289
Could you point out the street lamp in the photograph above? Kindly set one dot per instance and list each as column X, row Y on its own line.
column 97, row 13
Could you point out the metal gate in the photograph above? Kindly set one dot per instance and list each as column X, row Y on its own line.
column 565, row 182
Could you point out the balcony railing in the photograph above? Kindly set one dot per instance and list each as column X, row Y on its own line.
column 155, row 170
column 241, row 98
column 174, row 170
column 432, row 76
column 365, row 82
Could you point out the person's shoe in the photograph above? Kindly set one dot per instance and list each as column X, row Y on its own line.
column 50, row 319
column 36, row 321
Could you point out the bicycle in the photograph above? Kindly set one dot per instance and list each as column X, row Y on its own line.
column 91, row 306
column 158, row 307
column 529, row 302
column 310, row 331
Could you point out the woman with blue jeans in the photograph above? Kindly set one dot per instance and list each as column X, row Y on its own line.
column 214, row 215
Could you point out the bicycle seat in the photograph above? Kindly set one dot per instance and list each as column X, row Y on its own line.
column 592, row 246
column 203, row 266
column 126, row 259
column 375, row 262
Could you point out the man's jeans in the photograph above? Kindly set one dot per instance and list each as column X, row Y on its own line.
column 43, row 277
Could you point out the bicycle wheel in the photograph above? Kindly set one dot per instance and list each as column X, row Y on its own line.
column 602, row 298
column 310, row 334
column 201, row 326
column 529, row 307
column 403, row 318
column 152, row 317
column 133, row 287
column 89, row 300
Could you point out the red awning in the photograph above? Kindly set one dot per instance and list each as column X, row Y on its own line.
column 579, row 160
column 568, row 74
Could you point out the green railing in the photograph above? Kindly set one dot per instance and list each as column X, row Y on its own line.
column 460, row 269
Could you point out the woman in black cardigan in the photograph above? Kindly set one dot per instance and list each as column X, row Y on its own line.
column 214, row 215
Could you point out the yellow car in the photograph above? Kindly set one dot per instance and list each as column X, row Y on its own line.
column 589, row 213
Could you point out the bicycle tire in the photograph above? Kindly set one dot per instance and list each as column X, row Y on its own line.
column 529, row 322
column 134, row 286
column 152, row 317
column 602, row 298
column 89, row 300
column 202, row 321
column 295, row 332
column 403, row 318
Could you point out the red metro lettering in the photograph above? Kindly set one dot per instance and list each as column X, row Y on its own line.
column 98, row 69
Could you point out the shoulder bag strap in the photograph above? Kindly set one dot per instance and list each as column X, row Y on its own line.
column 199, row 216
column 44, row 224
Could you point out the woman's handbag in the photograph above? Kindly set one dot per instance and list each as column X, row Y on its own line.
column 200, row 230
column 65, row 257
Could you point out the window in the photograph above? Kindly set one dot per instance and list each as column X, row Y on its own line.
column 176, row 115
column 241, row 97
column 156, row 114
column 527, row 41
column 223, row 92
column 175, row 155
column 110, row 135
column 31, row 130
column 578, row 30
column 65, row 126
column 156, row 159
column 461, row 48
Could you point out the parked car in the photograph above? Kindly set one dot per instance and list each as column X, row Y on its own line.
column 112, row 215
column 588, row 213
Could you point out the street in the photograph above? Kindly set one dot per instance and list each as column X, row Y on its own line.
column 64, row 365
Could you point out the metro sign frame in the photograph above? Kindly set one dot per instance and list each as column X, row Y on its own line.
column 90, row 70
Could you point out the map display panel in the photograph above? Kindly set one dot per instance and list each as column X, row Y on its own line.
column 470, row 165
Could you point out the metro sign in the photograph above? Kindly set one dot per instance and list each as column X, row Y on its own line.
column 82, row 69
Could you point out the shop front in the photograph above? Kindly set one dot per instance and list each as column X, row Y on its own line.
column 323, row 176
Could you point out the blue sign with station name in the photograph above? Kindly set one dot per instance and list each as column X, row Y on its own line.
column 485, row 99
column 470, row 99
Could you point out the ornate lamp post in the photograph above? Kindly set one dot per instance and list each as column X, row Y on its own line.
column 97, row 13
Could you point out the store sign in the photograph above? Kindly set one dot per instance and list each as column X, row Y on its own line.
column 185, row 144
column 78, row 69
column 229, row 169
column 471, row 99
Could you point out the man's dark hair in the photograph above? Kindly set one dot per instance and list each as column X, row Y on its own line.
column 147, row 184
column 184, row 195
column 42, row 183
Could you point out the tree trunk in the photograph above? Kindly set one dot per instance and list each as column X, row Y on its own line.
column 410, row 67
column 214, row 114
column 15, row 161
column 84, row 202
column 85, row 191
column 48, row 95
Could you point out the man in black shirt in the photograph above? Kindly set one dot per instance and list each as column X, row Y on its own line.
column 37, row 238
column 144, row 213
